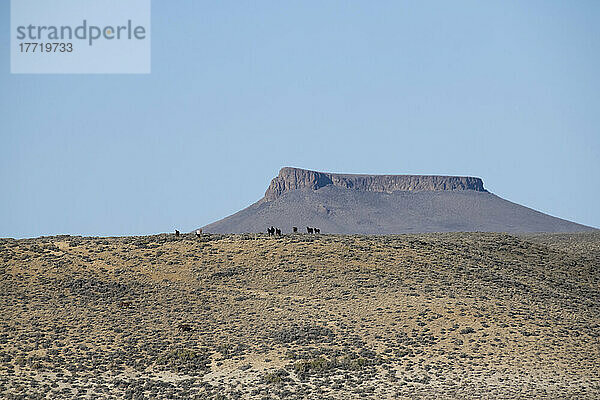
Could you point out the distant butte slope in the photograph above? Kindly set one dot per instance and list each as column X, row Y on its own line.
column 385, row 204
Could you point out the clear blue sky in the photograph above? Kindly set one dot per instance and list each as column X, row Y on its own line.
column 505, row 90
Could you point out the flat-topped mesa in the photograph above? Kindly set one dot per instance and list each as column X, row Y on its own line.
column 296, row 178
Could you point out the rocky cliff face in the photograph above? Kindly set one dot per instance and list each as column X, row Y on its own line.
column 385, row 205
column 296, row 178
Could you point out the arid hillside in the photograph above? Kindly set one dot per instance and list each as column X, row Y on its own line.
column 454, row 315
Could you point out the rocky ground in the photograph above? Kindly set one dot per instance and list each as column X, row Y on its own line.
column 457, row 315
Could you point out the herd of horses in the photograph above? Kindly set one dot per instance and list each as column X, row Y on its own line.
column 272, row 231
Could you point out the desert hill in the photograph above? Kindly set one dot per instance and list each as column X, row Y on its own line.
column 445, row 315
column 385, row 204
